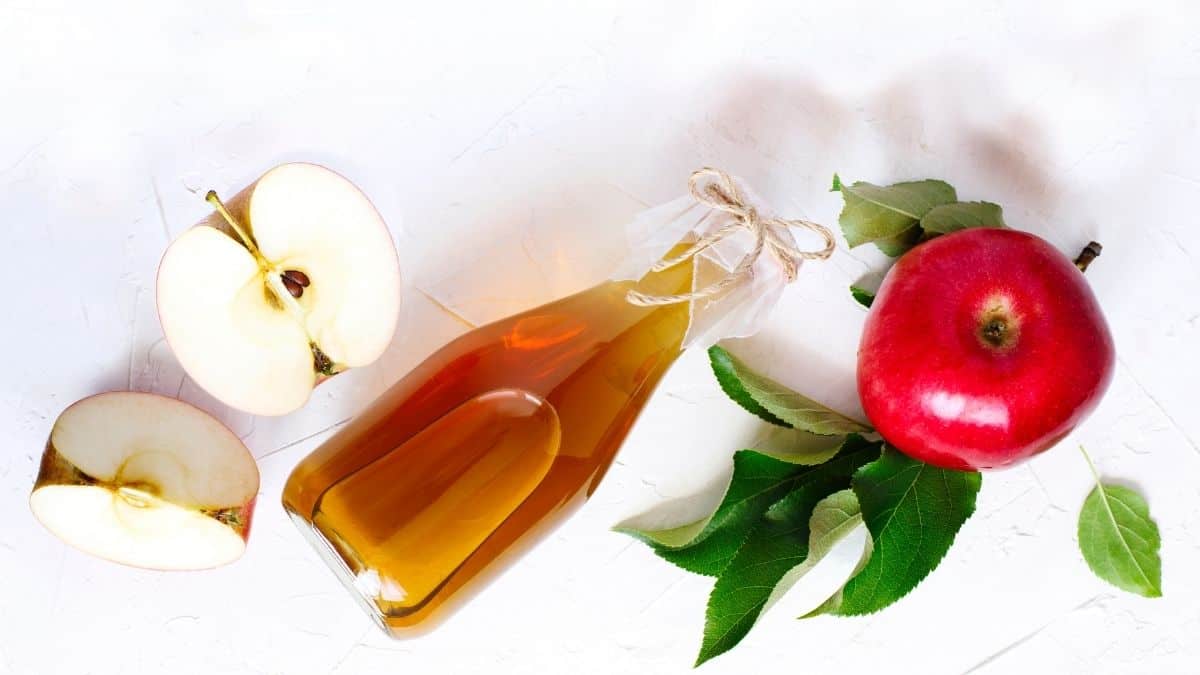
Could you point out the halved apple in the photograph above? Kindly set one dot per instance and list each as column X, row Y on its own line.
column 292, row 281
column 148, row 481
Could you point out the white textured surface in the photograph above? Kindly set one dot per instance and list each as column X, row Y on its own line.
column 524, row 118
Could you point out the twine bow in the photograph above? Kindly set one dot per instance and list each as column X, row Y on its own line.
column 721, row 194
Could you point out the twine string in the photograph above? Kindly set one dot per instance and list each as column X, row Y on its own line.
column 718, row 191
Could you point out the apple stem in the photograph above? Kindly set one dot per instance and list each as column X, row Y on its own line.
column 1087, row 255
column 213, row 199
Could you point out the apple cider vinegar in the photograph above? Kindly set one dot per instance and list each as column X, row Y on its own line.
column 501, row 434
column 477, row 452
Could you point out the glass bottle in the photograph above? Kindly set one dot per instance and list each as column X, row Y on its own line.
column 483, row 448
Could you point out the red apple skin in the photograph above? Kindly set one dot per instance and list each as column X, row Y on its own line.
column 982, row 348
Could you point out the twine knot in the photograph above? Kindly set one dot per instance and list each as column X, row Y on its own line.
column 718, row 191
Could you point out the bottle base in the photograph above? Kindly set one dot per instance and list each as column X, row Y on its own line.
column 333, row 560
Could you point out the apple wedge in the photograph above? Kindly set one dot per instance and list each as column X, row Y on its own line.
column 292, row 281
column 148, row 481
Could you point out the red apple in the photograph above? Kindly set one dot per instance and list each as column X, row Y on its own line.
column 982, row 348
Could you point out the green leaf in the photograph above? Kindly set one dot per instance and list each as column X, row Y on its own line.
column 862, row 296
column 758, row 482
column 792, row 537
column 873, row 213
column 913, row 511
column 710, row 555
column 961, row 215
column 1120, row 540
column 778, row 401
column 705, row 546
column 796, row 446
column 853, row 518
column 726, row 371
column 833, row 519
column 896, row 246
column 791, row 446
column 777, row 544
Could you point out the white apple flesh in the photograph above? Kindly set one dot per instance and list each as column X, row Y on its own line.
column 147, row 481
column 231, row 307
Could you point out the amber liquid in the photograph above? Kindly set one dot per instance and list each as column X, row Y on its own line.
column 483, row 448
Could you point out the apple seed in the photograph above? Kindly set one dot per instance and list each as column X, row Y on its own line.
column 297, row 276
column 295, row 282
column 293, row 287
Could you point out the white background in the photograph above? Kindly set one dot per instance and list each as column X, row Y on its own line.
column 523, row 135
